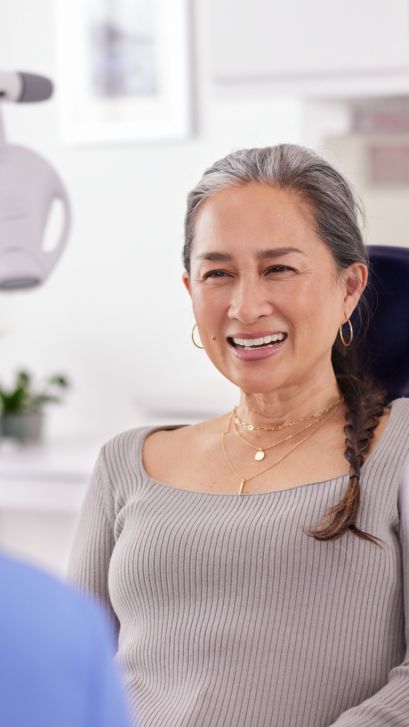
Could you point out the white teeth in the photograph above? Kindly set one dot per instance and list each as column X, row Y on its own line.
column 250, row 342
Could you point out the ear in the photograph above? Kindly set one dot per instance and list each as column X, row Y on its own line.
column 186, row 283
column 355, row 281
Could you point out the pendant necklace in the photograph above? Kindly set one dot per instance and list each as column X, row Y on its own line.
column 261, row 451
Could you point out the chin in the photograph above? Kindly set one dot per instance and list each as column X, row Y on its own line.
column 253, row 383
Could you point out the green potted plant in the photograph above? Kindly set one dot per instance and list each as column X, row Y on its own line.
column 22, row 406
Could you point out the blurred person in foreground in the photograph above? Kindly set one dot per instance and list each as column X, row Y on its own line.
column 56, row 655
column 256, row 565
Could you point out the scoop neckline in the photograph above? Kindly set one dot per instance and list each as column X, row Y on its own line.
column 339, row 478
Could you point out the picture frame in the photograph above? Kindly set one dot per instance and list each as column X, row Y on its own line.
column 123, row 70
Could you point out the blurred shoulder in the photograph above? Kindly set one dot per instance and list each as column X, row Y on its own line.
column 54, row 639
column 56, row 608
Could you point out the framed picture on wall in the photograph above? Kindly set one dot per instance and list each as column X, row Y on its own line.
column 123, row 70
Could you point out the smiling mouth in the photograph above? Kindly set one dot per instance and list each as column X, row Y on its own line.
column 250, row 344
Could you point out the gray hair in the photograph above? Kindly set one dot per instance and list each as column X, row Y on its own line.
column 336, row 211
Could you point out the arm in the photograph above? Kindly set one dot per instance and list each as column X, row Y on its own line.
column 106, row 704
column 389, row 707
column 94, row 539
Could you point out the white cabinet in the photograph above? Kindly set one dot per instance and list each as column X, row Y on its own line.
column 327, row 42
column 41, row 491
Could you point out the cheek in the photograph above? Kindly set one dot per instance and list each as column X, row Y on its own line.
column 316, row 312
column 209, row 311
column 208, row 304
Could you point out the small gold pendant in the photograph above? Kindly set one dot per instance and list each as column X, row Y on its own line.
column 259, row 455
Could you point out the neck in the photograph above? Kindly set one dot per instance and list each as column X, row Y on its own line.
column 287, row 403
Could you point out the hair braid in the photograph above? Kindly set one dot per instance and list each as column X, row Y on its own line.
column 366, row 402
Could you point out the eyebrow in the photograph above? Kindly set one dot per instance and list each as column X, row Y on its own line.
column 260, row 255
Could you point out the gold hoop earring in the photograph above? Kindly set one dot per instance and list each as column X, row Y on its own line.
column 193, row 336
column 351, row 334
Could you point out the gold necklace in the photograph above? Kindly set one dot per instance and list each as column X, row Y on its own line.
column 242, row 479
column 261, row 451
column 276, row 428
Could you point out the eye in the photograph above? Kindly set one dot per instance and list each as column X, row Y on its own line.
column 214, row 274
column 279, row 269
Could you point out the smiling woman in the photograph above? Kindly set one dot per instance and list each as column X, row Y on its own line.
column 230, row 553
column 249, row 298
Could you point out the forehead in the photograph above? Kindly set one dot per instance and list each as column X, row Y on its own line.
column 254, row 214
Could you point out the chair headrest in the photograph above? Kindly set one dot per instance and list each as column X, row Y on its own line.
column 384, row 350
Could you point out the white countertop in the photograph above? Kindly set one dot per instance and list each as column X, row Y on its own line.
column 49, row 477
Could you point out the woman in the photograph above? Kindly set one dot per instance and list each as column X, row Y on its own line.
column 253, row 563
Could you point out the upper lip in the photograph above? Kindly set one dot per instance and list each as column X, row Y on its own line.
column 259, row 334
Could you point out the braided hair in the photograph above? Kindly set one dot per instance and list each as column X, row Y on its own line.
column 365, row 401
column 336, row 214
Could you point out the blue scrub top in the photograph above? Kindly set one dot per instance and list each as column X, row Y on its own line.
column 56, row 655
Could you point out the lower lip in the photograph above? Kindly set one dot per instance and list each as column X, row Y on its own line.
column 257, row 354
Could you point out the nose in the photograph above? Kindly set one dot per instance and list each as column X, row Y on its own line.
column 248, row 301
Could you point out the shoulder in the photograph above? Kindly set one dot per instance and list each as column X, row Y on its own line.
column 17, row 575
column 400, row 411
column 120, row 464
column 132, row 458
column 174, row 454
column 160, row 441
column 119, row 454
column 123, row 441
column 393, row 427
column 400, row 422
column 395, row 437
column 402, row 402
column 58, row 614
column 394, row 418
column 54, row 640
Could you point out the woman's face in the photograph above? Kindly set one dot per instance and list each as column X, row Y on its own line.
column 258, row 269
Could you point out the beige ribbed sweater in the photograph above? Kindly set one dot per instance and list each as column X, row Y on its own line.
column 228, row 615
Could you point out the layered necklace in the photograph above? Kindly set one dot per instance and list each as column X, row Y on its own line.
column 318, row 419
column 261, row 451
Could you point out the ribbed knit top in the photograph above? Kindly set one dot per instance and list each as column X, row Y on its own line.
column 229, row 615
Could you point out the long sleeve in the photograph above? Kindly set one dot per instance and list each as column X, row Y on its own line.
column 94, row 539
column 106, row 705
column 389, row 707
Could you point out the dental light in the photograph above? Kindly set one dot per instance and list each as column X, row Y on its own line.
column 29, row 187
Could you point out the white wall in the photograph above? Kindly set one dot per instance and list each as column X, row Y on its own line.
column 113, row 315
column 386, row 206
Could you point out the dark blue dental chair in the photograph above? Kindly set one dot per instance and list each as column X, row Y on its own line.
column 383, row 348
